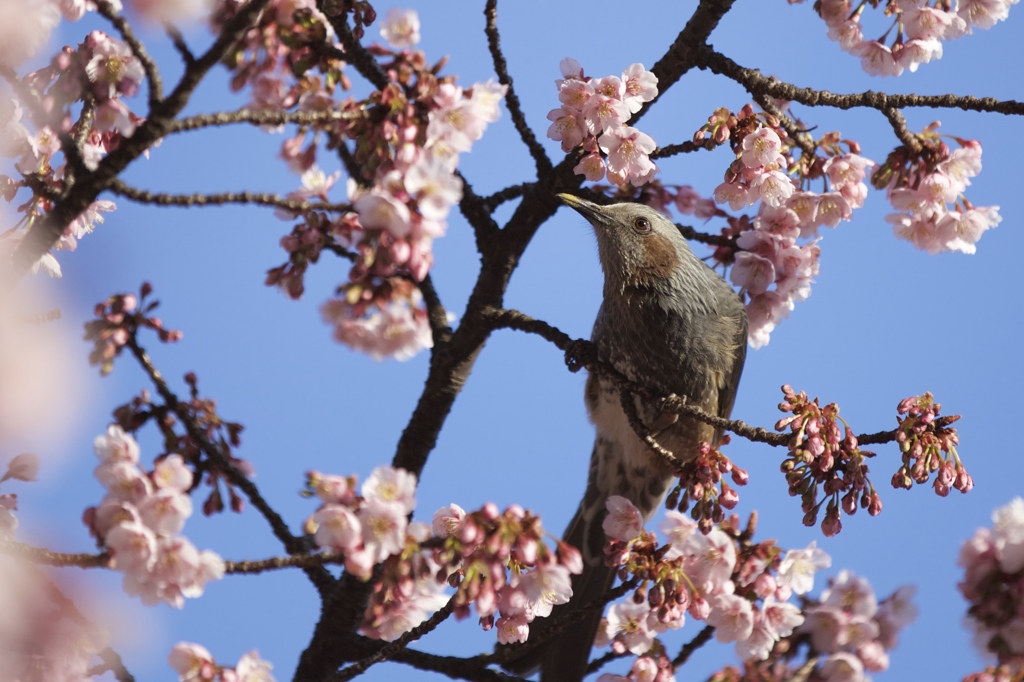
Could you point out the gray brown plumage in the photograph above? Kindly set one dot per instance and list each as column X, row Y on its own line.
column 669, row 322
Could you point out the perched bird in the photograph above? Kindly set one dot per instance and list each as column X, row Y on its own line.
column 669, row 322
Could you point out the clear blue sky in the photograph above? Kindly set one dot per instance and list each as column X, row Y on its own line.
column 884, row 321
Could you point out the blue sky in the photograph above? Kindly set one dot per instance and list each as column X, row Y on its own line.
column 884, row 321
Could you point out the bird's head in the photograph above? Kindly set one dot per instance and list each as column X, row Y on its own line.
column 640, row 249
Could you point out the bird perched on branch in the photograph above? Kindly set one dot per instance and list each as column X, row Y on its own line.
column 670, row 323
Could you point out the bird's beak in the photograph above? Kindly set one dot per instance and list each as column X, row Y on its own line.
column 587, row 209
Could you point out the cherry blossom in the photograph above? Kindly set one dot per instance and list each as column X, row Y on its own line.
column 623, row 521
column 401, row 28
column 798, row 567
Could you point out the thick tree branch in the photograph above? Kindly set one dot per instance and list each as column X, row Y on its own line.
column 540, row 157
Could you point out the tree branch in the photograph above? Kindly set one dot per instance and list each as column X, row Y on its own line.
column 702, row 638
column 259, row 118
column 540, row 157
column 754, row 82
column 189, row 200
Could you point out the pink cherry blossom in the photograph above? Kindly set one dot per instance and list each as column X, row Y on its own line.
column 761, row 148
column 447, row 520
column 842, row 667
column 629, row 620
column 383, row 526
column 171, row 473
column 192, row 662
column 752, row 273
column 337, row 528
column 677, row 528
column 435, row 188
column 165, row 511
column 568, row 127
column 852, row 594
column 602, row 112
column 401, row 28
column 628, row 149
column 112, row 69
column 799, row 566
column 639, row 85
column 251, row 668
column 591, row 167
column 546, row 586
column 731, row 616
column 389, row 484
column 379, row 210
column 512, row 629
column 24, row 467
column 398, row 330
column 116, row 445
column 623, row 521
column 876, row 58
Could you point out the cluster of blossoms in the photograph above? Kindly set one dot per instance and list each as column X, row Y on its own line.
column 495, row 560
column 922, row 182
column 742, row 589
column 769, row 250
column 928, row 443
column 139, row 521
column 408, row 139
column 117, row 320
column 594, row 114
column 702, row 484
column 102, row 69
column 921, row 26
column 370, row 528
column 821, row 454
column 24, row 467
column 851, row 631
column 993, row 585
column 194, row 663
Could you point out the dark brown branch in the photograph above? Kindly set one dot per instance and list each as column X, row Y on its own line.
column 453, row 667
column 601, row 661
column 705, row 237
column 515, row 110
column 45, row 557
column 259, row 118
column 437, row 316
column 755, row 82
column 354, row 53
column 702, row 638
column 682, row 55
column 189, row 200
column 501, row 196
column 673, row 149
column 179, row 43
column 392, row 648
column 292, row 544
column 156, row 84
column 899, row 126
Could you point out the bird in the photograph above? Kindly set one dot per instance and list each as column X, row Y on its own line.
column 668, row 322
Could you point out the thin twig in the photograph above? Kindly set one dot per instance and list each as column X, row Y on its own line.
column 189, row 200
column 515, row 110
column 644, row 433
column 673, row 149
column 601, row 661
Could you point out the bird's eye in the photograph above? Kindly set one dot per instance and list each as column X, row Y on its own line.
column 642, row 225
